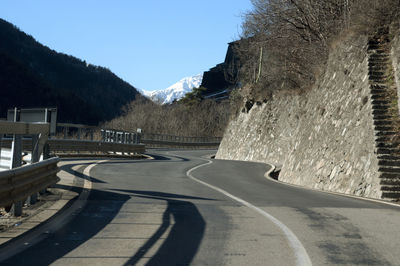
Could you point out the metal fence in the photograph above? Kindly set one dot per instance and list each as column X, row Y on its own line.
column 25, row 167
column 17, row 137
column 23, row 184
column 79, row 147
column 85, row 132
column 19, row 182
column 166, row 141
column 159, row 140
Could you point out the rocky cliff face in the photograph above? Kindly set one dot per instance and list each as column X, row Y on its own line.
column 225, row 75
column 323, row 138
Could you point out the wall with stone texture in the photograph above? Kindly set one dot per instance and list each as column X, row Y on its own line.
column 323, row 138
column 395, row 54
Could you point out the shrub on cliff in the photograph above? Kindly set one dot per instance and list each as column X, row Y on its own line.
column 193, row 97
column 285, row 43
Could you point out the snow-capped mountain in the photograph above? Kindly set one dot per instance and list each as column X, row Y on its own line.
column 176, row 91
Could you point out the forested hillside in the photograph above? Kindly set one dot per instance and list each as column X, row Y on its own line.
column 33, row 75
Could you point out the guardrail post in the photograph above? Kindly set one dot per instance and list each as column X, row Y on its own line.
column 34, row 159
column 1, row 144
column 16, row 209
column 91, row 134
column 35, row 149
column 46, row 155
column 103, row 135
column 16, row 151
column 46, row 151
column 79, row 133
column 65, row 132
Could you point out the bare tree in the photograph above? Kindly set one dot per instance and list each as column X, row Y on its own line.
column 295, row 37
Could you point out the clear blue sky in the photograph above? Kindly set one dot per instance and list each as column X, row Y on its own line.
column 149, row 43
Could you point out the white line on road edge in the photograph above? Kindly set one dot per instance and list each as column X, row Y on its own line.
column 88, row 183
column 300, row 252
column 381, row 201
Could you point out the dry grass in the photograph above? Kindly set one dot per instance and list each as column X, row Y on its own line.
column 206, row 118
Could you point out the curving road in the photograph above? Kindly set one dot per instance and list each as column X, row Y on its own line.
column 183, row 209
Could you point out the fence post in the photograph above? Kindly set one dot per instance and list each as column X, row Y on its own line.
column 17, row 209
column 103, row 135
column 46, row 151
column 16, row 151
column 34, row 159
column 1, row 144
column 65, row 132
column 35, row 149
column 16, row 154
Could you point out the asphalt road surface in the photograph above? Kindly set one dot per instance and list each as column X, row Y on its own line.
column 182, row 209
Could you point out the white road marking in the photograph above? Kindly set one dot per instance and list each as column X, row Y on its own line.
column 302, row 258
column 87, row 183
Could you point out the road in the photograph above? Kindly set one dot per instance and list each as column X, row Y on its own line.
column 182, row 209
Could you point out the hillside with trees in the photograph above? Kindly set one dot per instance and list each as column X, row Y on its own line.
column 196, row 117
column 33, row 75
column 285, row 43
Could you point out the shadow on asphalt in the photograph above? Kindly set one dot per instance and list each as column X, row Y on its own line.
column 68, row 168
column 179, row 247
column 183, row 241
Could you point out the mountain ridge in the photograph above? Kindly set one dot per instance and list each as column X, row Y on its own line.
column 175, row 91
column 84, row 93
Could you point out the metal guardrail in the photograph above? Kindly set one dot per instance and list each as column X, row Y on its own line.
column 11, row 141
column 78, row 146
column 120, row 136
column 18, row 182
column 21, row 183
column 25, row 182
column 179, row 144
column 60, row 146
column 158, row 140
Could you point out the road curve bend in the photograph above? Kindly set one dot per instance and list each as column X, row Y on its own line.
column 183, row 209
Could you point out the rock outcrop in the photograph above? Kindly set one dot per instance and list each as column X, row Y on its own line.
column 324, row 138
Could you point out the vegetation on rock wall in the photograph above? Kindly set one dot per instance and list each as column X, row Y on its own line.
column 193, row 97
column 285, row 43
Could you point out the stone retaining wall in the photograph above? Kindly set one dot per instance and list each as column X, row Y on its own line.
column 323, row 138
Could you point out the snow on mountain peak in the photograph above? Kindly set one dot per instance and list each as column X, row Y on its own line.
column 176, row 91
